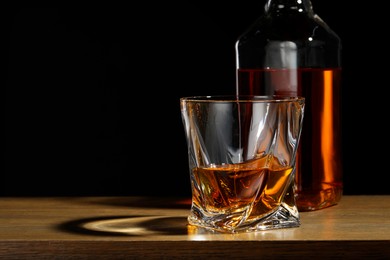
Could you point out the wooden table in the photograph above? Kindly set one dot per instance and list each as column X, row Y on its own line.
column 140, row 227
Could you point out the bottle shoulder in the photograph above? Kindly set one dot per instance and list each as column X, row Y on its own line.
column 289, row 27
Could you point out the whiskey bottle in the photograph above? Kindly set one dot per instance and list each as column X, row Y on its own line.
column 289, row 50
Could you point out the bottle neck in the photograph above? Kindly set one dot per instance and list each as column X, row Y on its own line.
column 278, row 6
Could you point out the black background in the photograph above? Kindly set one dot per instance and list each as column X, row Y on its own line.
column 92, row 93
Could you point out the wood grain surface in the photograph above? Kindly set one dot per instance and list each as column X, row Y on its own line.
column 156, row 228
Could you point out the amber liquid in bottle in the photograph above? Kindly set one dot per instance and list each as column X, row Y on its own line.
column 318, row 163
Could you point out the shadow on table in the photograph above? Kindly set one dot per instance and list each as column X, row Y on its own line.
column 131, row 225
column 144, row 202
column 127, row 226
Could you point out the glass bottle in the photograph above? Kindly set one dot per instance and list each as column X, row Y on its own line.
column 290, row 50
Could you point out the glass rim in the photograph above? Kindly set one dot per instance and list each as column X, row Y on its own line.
column 243, row 98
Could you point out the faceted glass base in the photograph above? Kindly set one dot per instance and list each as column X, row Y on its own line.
column 283, row 217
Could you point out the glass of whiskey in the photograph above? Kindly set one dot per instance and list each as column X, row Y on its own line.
column 241, row 156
